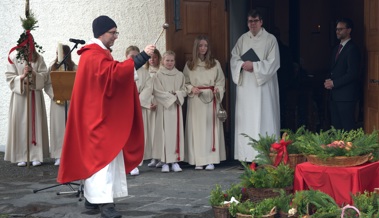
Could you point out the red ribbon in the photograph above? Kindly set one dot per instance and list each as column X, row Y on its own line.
column 27, row 42
column 214, row 115
column 34, row 142
column 178, row 131
column 281, row 150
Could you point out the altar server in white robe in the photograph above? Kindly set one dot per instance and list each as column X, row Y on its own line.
column 16, row 77
column 145, row 90
column 204, row 133
column 257, row 94
column 58, row 111
column 169, row 91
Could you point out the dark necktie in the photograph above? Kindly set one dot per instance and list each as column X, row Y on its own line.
column 339, row 50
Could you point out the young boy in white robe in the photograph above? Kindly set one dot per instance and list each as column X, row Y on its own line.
column 169, row 91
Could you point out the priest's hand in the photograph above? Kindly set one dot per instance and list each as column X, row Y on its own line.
column 248, row 66
column 215, row 90
column 149, row 50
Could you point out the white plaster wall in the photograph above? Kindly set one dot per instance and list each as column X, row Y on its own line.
column 139, row 23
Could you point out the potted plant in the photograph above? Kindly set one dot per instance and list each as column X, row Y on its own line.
column 367, row 203
column 338, row 147
column 220, row 200
column 273, row 151
column 264, row 181
column 265, row 208
column 283, row 203
column 314, row 203
column 242, row 209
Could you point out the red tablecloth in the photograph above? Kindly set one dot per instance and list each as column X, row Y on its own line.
column 338, row 182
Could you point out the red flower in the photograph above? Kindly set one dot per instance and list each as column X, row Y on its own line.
column 253, row 166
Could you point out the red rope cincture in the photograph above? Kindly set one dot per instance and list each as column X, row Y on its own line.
column 178, row 131
column 34, row 142
column 214, row 116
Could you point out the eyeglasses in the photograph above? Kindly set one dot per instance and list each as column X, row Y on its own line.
column 340, row 29
column 113, row 33
column 254, row 21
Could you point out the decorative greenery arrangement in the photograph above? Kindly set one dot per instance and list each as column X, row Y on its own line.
column 218, row 196
column 270, row 144
column 264, row 207
column 367, row 203
column 333, row 142
column 26, row 43
column 243, row 207
column 262, row 146
column 315, row 203
column 283, row 201
column 267, row 176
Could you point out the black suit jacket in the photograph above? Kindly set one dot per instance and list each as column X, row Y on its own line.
column 345, row 73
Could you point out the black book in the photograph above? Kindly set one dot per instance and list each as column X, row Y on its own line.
column 250, row 55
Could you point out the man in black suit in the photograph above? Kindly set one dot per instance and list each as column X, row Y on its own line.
column 344, row 78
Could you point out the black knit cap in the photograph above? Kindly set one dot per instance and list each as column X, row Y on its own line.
column 101, row 25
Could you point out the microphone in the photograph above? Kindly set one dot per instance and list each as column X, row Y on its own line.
column 77, row 41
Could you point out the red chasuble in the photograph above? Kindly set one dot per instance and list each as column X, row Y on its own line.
column 104, row 117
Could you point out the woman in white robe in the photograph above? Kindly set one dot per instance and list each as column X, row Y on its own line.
column 57, row 106
column 257, row 95
column 169, row 91
column 204, row 133
column 16, row 147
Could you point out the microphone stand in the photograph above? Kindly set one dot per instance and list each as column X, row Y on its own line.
column 66, row 56
column 79, row 192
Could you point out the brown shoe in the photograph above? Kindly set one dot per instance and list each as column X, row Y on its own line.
column 108, row 211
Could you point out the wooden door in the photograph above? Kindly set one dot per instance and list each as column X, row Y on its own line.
column 371, row 105
column 190, row 18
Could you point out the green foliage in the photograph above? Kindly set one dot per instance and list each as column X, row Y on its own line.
column 267, row 176
column 367, row 203
column 292, row 136
column 263, row 207
column 218, row 196
column 262, row 146
column 29, row 23
column 316, row 203
column 283, row 201
column 235, row 190
column 335, row 142
column 243, row 207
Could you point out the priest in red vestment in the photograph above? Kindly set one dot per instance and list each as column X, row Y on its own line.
column 104, row 133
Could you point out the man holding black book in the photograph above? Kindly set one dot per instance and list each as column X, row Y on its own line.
column 254, row 64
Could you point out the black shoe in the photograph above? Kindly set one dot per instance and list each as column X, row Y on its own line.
column 90, row 206
column 108, row 211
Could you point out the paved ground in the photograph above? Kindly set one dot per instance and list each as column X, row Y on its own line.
column 151, row 194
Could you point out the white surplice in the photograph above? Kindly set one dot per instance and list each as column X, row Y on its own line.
column 257, row 95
